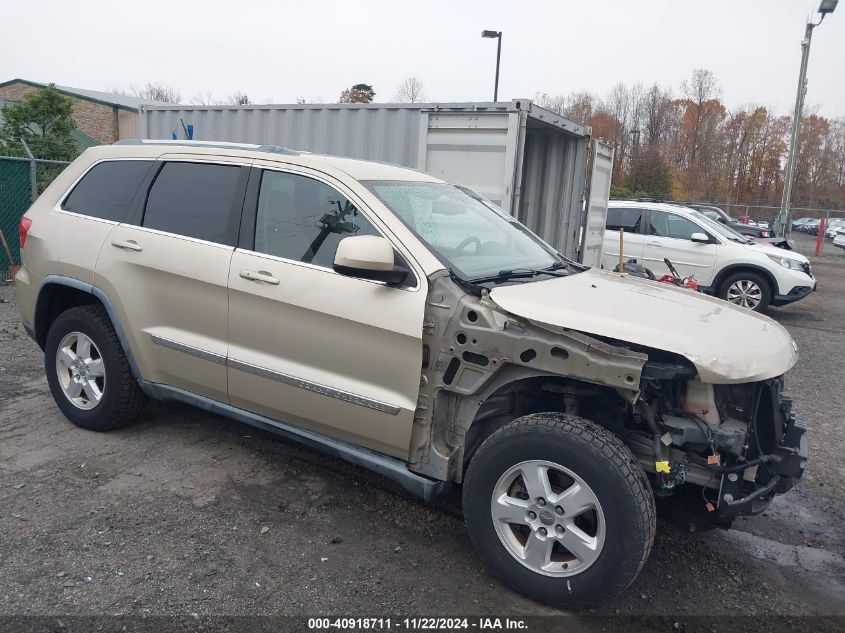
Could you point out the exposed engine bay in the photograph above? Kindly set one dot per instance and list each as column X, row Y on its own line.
column 741, row 443
column 736, row 444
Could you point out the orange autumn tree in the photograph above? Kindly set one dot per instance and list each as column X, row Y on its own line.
column 690, row 146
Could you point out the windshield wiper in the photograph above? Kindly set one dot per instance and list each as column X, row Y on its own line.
column 516, row 273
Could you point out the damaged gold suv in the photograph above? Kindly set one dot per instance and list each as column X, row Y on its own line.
column 409, row 326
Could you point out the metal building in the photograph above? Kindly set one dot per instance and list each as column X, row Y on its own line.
column 530, row 161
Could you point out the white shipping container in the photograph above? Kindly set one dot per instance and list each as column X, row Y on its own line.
column 530, row 161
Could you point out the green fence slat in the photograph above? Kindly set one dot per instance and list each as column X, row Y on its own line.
column 15, row 194
column 16, row 198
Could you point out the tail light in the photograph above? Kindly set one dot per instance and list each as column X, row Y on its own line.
column 23, row 229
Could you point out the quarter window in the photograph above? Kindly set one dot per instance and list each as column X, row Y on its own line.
column 195, row 200
column 303, row 219
column 624, row 218
column 107, row 190
column 665, row 224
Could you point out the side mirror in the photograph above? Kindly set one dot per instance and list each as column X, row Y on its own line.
column 368, row 257
column 701, row 238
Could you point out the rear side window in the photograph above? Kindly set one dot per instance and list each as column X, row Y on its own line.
column 195, row 200
column 107, row 190
column 622, row 218
column 671, row 225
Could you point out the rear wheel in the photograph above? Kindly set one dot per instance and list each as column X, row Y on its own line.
column 87, row 371
column 560, row 509
column 747, row 290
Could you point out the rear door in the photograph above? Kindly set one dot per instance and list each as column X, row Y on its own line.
column 669, row 237
column 166, row 271
column 103, row 197
column 307, row 345
column 631, row 220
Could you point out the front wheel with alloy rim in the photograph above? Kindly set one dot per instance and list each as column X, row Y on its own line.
column 560, row 509
column 747, row 290
column 87, row 371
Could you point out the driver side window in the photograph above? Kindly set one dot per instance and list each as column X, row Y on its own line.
column 303, row 219
column 664, row 224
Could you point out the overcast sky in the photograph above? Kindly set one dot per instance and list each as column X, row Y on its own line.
column 281, row 50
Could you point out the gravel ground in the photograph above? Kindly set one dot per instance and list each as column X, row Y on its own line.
column 188, row 513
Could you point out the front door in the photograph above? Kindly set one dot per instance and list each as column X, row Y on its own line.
column 307, row 345
column 669, row 237
column 166, row 273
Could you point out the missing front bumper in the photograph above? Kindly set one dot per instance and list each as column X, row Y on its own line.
column 777, row 473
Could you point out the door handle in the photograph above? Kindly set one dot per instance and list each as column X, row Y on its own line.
column 128, row 245
column 259, row 275
column 653, row 244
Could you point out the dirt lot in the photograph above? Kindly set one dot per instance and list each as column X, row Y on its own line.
column 189, row 513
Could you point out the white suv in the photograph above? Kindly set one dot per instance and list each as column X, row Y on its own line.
column 724, row 263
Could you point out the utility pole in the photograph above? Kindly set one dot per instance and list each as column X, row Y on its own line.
column 783, row 221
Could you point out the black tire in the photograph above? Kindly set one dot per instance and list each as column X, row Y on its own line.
column 122, row 398
column 756, row 278
column 606, row 465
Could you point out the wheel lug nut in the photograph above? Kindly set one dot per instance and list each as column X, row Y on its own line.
column 559, row 511
column 543, row 532
column 532, row 516
column 541, row 502
column 559, row 529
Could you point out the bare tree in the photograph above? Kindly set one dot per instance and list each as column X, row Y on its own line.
column 160, row 91
column 657, row 105
column 701, row 88
column 307, row 100
column 554, row 103
column 204, row 98
column 410, row 91
column 238, row 98
column 578, row 106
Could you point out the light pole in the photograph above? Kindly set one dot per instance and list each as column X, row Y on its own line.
column 783, row 222
column 498, row 36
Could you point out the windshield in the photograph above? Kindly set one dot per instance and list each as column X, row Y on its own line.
column 473, row 237
column 720, row 228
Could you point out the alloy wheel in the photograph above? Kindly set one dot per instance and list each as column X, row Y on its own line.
column 81, row 372
column 548, row 518
column 745, row 293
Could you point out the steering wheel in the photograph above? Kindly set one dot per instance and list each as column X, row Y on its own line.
column 467, row 241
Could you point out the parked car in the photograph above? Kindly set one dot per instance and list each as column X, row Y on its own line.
column 797, row 224
column 779, row 242
column 751, row 229
column 837, row 231
column 811, row 227
column 839, row 240
column 725, row 263
column 410, row 327
column 831, row 227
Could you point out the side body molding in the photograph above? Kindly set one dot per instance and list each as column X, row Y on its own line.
column 97, row 292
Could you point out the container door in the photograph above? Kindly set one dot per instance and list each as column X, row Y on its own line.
column 599, row 194
column 475, row 149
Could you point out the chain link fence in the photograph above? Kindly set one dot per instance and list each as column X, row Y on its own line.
column 22, row 179
column 761, row 213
